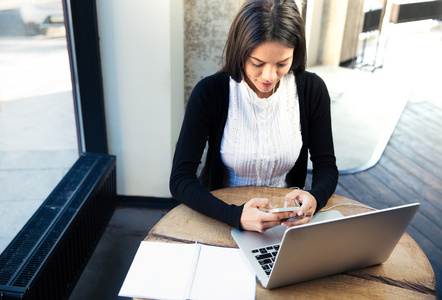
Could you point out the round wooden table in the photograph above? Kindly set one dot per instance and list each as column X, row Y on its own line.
column 407, row 274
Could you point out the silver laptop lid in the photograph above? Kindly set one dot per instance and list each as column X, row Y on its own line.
column 336, row 246
column 329, row 247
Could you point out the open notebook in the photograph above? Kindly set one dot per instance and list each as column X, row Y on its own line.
column 188, row 271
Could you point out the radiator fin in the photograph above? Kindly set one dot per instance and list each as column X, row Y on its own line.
column 46, row 258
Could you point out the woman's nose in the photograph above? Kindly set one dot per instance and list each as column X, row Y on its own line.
column 269, row 73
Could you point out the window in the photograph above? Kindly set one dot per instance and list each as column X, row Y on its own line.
column 70, row 122
column 38, row 135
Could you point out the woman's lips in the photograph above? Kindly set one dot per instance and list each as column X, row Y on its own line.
column 266, row 85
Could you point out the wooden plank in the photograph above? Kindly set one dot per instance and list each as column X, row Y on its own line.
column 416, row 142
column 424, row 111
column 413, row 145
column 419, row 153
column 369, row 189
column 408, row 171
column 421, row 128
column 402, row 189
column 414, row 176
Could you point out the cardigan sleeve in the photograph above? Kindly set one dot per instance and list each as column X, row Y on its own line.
column 200, row 121
column 325, row 172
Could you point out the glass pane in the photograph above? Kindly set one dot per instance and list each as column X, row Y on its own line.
column 38, row 138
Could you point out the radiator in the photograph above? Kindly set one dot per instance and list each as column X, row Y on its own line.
column 47, row 257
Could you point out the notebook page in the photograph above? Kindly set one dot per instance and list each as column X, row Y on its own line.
column 159, row 271
column 222, row 274
column 192, row 271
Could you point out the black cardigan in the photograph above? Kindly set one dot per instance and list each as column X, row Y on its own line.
column 204, row 120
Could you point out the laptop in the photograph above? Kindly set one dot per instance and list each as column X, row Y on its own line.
column 329, row 244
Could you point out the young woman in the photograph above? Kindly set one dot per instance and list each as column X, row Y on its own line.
column 260, row 115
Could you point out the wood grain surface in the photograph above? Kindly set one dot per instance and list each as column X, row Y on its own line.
column 407, row 274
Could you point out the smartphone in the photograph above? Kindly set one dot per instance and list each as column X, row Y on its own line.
column 283, row 209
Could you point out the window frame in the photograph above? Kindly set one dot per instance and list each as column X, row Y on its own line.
column 86, row 74
column 45, row 259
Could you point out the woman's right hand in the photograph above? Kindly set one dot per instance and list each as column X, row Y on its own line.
column 253, row 219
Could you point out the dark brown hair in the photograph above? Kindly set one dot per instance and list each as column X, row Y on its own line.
column 259, row 21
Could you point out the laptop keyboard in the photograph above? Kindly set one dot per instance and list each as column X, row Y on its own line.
column 266, row 257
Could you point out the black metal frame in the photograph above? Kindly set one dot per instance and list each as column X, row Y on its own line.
column 84, row 51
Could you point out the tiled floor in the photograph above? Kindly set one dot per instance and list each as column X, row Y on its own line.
column 106, row 270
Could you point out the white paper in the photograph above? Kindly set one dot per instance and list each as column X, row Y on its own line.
column 163, row 271
column 159, row 268
column 222, row 274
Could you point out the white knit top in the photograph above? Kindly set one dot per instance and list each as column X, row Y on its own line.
column 262, row 137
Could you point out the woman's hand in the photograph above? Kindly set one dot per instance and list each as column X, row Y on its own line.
column 254, row 219
column 308, row 207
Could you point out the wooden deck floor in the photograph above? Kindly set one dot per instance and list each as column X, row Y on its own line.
column 410, row 170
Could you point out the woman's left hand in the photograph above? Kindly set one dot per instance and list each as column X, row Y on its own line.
column 308, row 207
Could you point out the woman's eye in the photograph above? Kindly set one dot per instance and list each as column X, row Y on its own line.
column 280, row 65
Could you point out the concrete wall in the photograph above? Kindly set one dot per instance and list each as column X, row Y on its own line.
column 142, row 59
column 206, row 26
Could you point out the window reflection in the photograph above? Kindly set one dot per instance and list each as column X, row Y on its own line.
column 38, row 140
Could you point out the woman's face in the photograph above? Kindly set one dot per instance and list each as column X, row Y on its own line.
column 265, row 66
